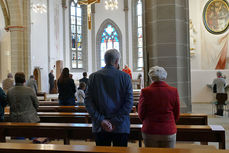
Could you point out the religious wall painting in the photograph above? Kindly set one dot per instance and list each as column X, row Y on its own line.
column 216, row 16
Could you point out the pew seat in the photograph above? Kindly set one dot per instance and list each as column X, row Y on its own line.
column 43, row 95
column 193, row 133
column 50, row 148
column 68, row 109
column 48, row 103
column 67, row 117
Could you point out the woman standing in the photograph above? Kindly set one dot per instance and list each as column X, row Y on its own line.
column 66, row 89
column 159, row 111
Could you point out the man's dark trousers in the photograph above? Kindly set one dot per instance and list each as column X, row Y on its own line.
column 106, row 138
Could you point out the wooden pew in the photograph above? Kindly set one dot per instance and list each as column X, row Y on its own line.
column 136, row 96
column 185, row 119
column 50, row 148
column 68, row 109
column 42, row 94
column 48, row 103
column 62, row 117
column 193, row 133
column 83, row 131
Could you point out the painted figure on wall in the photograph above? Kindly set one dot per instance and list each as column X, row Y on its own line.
column 216, row 16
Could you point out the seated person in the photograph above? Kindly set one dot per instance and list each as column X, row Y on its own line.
column 22, row 101
column 80, row 95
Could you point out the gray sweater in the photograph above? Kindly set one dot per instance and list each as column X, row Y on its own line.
column 23, row 104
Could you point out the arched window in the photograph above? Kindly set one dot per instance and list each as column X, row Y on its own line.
column 78, row 33
column 137, row 35
column 109, row 40
column 109, row 37
column 140, row 38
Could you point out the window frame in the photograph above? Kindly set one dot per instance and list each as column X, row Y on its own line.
column 99, row 38
column 135, row 36
column 84, row 44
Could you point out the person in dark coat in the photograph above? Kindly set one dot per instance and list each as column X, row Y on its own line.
column 66, row 89
column 84, row 79
column 109, row 100
column 51, row 81
column 3, row 103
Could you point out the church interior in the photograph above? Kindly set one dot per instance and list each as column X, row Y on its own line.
column 189, row 38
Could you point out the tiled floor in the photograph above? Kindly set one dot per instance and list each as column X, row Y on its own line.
column 197, row 108
column 213, row 119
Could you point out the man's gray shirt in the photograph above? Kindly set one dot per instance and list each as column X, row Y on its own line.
column 220, row 85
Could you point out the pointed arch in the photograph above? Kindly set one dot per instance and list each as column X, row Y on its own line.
column 5, row 11
column 100, row 32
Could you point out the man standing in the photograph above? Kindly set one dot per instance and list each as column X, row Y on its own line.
column 109, row 100
column 127, row 70
column 51, row 81
column 32, row 83
column 84, row 79
column 8, row 83
column 218, row 86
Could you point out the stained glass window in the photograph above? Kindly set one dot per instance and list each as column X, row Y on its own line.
column 76, row 35
column 139, row 36
column 110, row 40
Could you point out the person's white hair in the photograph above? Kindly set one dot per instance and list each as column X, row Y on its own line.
column 157, row 73
column 111, row 56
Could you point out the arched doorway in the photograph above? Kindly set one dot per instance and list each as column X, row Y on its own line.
column 37, row 77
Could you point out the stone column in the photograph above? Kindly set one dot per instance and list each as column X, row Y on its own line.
column 126, row 9
column 93, row 38
column 166, row 34
column 20, row 37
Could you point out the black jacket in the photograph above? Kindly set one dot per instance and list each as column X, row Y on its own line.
column 66, row 89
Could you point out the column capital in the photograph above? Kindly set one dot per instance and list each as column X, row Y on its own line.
column 12, row 28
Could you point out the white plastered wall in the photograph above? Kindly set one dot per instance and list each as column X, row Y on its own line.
column 46, row 39
column 201, row 75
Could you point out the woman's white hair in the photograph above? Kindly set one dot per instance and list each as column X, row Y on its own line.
column 157, row 73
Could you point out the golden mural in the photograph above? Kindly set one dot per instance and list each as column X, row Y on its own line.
column 216, row 16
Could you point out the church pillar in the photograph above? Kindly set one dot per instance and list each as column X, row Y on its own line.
column 93, row 38
column 126, row 9
column 20, row 35
column 166, row 35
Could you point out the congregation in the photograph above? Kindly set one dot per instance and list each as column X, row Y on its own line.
column 108, row 100
column 114, row 76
